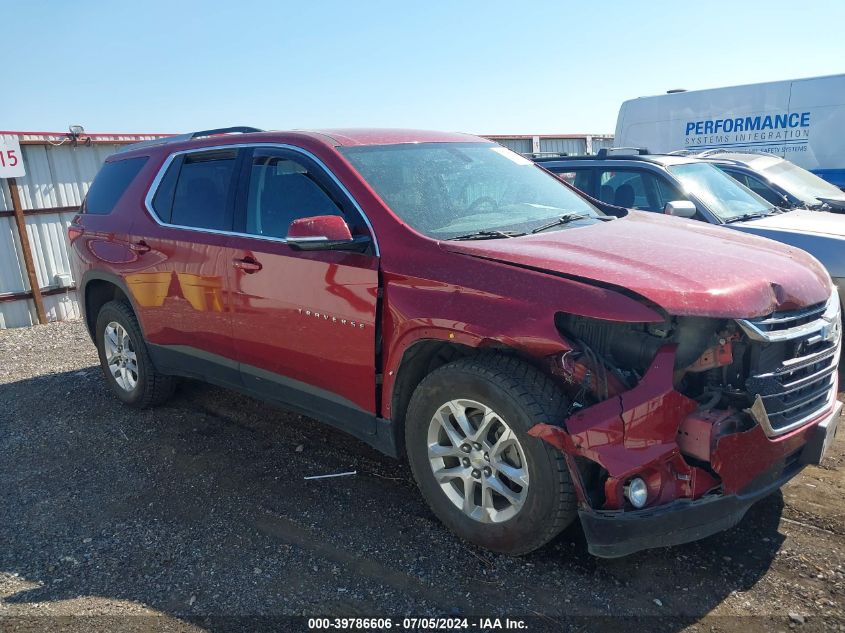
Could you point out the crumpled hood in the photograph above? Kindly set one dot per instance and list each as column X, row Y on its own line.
column 686, row 267
column 800, row 221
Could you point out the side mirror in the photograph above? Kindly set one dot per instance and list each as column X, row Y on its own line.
column 324, row 233
column 680, row 209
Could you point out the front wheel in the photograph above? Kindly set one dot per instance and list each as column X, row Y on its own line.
column 476, row 466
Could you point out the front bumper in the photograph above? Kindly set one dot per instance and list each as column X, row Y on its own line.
column 611, row 534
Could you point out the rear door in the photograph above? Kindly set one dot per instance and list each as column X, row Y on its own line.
column 304, row 321
column 179, row 280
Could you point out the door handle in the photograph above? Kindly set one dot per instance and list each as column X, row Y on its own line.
column 247, row 264
column 139, row 247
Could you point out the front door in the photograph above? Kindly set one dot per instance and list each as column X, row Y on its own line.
column 304, row 323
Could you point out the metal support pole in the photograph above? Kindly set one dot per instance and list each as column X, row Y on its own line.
column 17, row 208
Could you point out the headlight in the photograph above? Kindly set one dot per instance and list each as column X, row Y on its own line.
column 832, row 331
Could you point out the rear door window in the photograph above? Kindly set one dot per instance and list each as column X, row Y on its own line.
column 203, row 192
column 110, row 184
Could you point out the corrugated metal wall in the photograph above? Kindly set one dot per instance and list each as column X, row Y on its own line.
column 563, row 145
column 58, row 176
column 519, row 145
column 571, row 144
column 601, row 143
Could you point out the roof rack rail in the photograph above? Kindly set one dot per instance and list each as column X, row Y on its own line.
column 237, row 129
column 178, row 138
column 604, row 152
column 545, row 154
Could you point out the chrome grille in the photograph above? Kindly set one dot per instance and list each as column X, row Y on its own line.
column 784, row 326
column 802, row 385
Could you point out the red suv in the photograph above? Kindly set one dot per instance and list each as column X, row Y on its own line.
column 535, row 355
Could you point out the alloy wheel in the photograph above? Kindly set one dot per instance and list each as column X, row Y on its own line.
column 120, row 356
column 478, row 461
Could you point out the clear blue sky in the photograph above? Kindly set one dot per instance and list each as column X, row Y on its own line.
column 476, row 66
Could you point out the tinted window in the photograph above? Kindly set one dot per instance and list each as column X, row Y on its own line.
column 568, row 176
column 111, row 183
column 578, row 178
column 281, row 190
column 202, row 195
column 636, row 190
column 163, row 199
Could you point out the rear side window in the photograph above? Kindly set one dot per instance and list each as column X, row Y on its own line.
column 197, row 191
column 111, row 183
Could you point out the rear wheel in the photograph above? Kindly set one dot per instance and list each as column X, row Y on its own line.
column 125, row 361
column 477, row 467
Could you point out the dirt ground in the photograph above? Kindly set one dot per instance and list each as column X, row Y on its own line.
column 195, row 516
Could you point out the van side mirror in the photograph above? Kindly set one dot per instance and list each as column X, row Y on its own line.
column 680, row 209
column 324, row 233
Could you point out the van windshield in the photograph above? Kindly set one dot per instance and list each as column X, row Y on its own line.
column 448, row 190
column 724, row 196
column 801, row 183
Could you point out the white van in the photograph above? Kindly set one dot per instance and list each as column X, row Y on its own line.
column 802, row 120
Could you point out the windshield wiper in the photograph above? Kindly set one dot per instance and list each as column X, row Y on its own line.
column 746, row 216
column 486, row 235
column 570, row 217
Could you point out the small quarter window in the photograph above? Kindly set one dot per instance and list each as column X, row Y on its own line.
column 163, row 198
column 110, row 184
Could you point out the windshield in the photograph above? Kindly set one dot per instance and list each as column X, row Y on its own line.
column 723, row 195
column 446, row 190
column 800, row 182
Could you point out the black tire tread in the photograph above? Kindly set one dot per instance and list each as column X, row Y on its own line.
column 157, row 387
column 543, row 400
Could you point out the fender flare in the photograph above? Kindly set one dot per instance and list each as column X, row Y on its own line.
column 115, row 280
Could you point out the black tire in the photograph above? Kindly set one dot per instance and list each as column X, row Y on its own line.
column 522, row 396
column 152, row 388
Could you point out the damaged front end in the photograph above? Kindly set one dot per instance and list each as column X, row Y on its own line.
column 677, row 428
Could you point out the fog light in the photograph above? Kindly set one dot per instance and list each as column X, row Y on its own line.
column 637, row 492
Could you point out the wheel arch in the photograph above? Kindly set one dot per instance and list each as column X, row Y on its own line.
column 98, row 288
column 421, row 358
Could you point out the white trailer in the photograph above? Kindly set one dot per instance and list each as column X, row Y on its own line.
column 802, row 120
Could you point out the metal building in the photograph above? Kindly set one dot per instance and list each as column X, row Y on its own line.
column 36, row 276
column 540, row 144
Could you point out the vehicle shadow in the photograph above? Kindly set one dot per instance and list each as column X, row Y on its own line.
column 198, row 510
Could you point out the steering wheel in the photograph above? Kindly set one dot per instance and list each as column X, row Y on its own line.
column 481, row 201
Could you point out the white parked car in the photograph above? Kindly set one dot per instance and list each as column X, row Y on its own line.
column 781, row 182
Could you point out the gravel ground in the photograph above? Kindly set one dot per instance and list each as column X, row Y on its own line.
column 198, row 510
